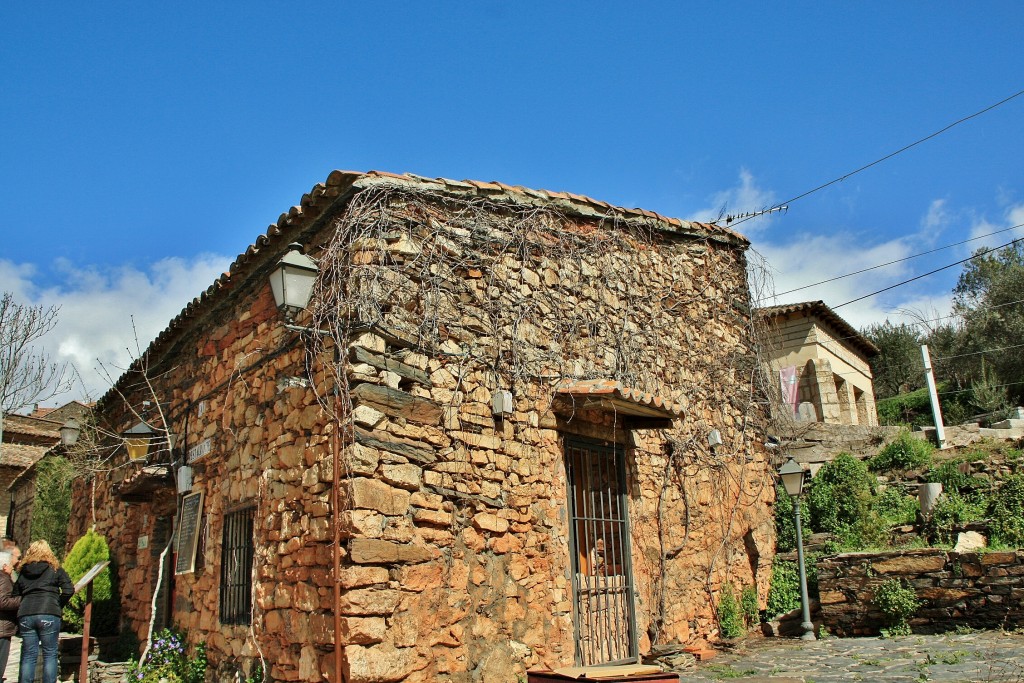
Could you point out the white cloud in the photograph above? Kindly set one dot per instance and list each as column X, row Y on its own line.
column 98, row 309
column 1009, row 228
column 810, row 259
column 935, row 220
column 745, row 197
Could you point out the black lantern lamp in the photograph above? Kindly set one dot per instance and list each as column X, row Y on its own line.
column 137, row 440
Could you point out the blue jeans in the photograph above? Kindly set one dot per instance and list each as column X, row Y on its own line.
column 38, row 631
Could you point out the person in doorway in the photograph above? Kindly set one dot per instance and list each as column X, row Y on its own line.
column 44, row 588
column 9, row 603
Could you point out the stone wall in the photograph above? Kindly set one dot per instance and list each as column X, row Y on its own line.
column 814, row 443
column 19, row 523
column 979, row 590
column 456, row 562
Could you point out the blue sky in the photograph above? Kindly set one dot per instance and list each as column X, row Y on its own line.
column 146, row 145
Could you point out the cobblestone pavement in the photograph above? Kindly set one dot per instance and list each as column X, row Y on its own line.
column 979, row 657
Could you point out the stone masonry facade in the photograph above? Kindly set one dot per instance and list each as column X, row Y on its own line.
column 976, row 590
column 618, row 328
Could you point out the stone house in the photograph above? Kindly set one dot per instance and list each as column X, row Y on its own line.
column 26, row 440
column 822, row 364
column 529, row 419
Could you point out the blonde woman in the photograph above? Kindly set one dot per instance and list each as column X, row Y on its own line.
column 44, row 588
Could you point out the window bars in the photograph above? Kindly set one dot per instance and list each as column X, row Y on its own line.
column 236, row 567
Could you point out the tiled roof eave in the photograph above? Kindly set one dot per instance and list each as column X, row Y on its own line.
column 611, row 395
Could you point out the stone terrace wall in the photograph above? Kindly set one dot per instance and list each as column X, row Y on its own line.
column 980, row 590
column 456, row 560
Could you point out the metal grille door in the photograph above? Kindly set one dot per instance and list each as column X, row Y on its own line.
column 602, row 576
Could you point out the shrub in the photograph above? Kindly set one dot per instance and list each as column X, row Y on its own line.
column 897, row 603
column 1007, row 512
column 168, row 661
column 839, row 502
column 784, row 593
column 730, row 620
column 895, row 507
column 952, row 511
column 913, row 409
column 952, row 479
column 88, row 551
column 901, row 454
column 749, row 607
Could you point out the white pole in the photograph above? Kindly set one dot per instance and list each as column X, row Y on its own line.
column 940, row 432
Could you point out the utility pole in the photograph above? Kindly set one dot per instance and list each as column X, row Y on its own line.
column 929, row 376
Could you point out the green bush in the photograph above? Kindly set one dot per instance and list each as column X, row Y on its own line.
column 952, row 479
column 51, row 509
column 784, row 593
column 730, row 619
column 749, row 606
column 168, row 661
column 897, row 603
column 901, row 454
column 1006, row 510
column 914, row 409
column 839, row 502
column 952, row 511
column 895, row 508
column 88, row 551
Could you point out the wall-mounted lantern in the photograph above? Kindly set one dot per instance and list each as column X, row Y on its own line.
column 69, row 432
column 292, row 281
column 137, row 440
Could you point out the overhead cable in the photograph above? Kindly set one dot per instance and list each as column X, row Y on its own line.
column 930, row 272
column 899, row 260
column 886, row 157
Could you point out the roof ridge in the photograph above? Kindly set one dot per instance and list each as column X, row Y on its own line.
column 323, row 195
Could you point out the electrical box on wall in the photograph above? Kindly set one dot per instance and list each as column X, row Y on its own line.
column 184, row 479
column 501, row 403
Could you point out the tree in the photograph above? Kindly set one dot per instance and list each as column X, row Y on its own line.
column 898, row 368
column 988, row 298
column 88, row 551
column 27, row 375
column 52, row 508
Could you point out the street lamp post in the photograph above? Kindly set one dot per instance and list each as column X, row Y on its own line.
column 793, row 477
column 292, row 285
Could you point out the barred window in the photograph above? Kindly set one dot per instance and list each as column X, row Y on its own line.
column 236, row 567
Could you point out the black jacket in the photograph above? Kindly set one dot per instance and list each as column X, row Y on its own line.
column 43, row 590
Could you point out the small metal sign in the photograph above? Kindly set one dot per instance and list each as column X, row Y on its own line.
column 90, row 575
column 199, row 450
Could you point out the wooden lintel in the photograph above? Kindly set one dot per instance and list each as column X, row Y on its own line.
column 632, row 422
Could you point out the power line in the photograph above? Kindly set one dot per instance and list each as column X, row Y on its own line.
column 976, row 353
column 900, row 260
column 887, row 156
column 963, row 391
column 930, row 272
